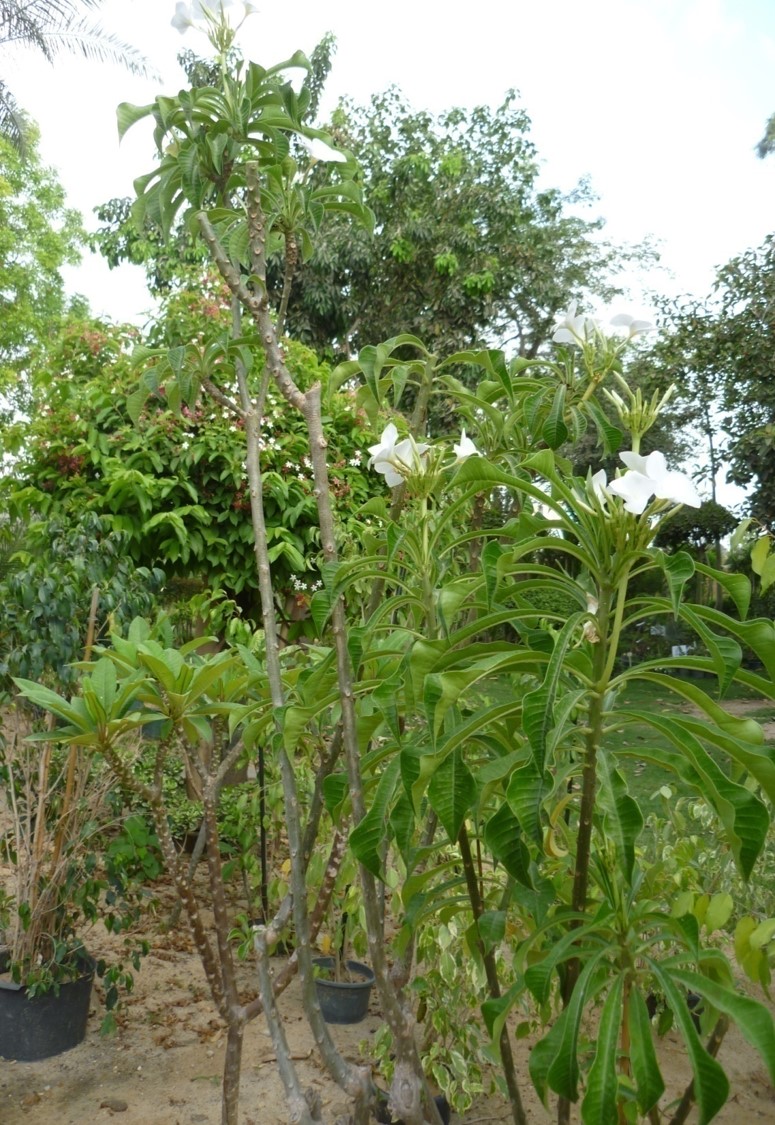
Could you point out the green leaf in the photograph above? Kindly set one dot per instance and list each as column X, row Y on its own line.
column 646, row 1074
column 554, row 431
column 725, row 652
column 752, row 1018
column 495, row 1012
column 103, row 681
column 746, row 729
column 538, row 975
column 48, row 700
column 367, row 836
column 763, row 934
column 623, row 821
column 563, row 1074
column 610, row 436
column 599, row 1106
column 720, row 909
column 538, row 705
column 768, row 573
column 490, row 554
column 320, row 609
column 135, row 403
column 336, row 789
column 759, row 553
column 711, row 1085
column 738, row 586
column 402, row 823
column 503, row 838
column 544, row 1053
column 441, row 691
column 526, row 792
column 738, row 535
column 452, row 792
column 678, row 569
column 492, row 928
column 128, row 114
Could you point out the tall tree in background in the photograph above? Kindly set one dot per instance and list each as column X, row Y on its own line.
column 721, row 353
column 467, row 250
column 38, row 235
column 51, row 27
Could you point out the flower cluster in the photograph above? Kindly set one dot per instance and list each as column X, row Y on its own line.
column 398, row 460
column 395, row 459
column 188, row 12
column 573, row 329
column 302, row 587
column 646, row 477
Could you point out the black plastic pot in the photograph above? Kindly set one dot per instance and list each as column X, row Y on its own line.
column 344, row 1001
column 37, row 1027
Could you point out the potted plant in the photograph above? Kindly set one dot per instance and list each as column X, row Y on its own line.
column 343, row 985
column 55, row 887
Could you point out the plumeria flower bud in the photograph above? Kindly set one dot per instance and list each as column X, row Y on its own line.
column 464, row 448
column 589, row 632
column 397, row 460
column 650, row 476
column 634, row 327
column 599, row 487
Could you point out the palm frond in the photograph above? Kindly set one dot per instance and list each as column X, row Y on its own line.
column 19, row 24
column 14, row 125
column 92, row 42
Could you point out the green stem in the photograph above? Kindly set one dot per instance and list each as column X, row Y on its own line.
column 491, row 972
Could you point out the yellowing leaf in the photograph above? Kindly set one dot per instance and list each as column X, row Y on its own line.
column 719, row 912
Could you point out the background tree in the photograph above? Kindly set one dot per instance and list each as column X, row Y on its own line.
column 38, row 235
column 721, row 353
column 467, row 249
column 50, row 27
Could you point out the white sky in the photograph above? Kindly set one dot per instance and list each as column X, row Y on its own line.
column 659, row 102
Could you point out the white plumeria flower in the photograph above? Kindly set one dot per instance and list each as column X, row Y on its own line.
column 650, row 476
column 633, row 326
column 397, row 460
column 464, row 448
column 319, row 150
column 186, row 14
column 573, row 329
column 183, row 18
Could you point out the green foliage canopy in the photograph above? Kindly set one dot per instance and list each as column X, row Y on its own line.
column 467, row 248
column 38, row 235
column 174, row 484
column 721, row 352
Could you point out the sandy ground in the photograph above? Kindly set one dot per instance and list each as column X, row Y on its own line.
column 163, row 1065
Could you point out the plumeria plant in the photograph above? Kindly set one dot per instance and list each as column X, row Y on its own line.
column 466, row 676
